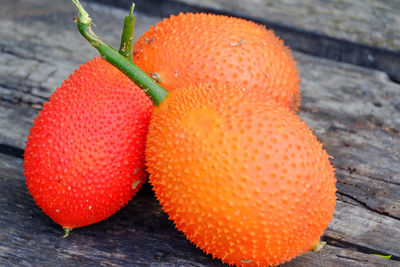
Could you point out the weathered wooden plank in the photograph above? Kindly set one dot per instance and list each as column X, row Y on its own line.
column 332, row 256
column 371, row 22
column 364, row 230
column 15, row 124
column 354, row 111
column 140, row 234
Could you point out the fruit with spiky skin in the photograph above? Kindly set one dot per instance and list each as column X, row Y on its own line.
column 192, row 48
column 84, row 158
column 244, row 179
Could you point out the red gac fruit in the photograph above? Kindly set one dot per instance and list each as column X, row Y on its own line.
column 84, row 158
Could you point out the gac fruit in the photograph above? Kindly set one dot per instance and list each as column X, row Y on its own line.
column 243, row 178
column 84, row 158
column 192, row 48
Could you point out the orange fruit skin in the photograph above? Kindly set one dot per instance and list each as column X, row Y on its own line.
column 244, row 179
column 192, row 48
column 84, row 158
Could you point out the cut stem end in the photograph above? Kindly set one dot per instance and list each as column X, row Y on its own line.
column 131, row 10
column 83, row 15
column 125, row 48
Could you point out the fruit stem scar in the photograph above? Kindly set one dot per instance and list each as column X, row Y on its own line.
column 317, row 248
column 238, row 43
column 135, row 184
column 156, row 76
column 153, row 90
column 125, row 48
column 150, row 40
column 136, row 170
column 67, row 231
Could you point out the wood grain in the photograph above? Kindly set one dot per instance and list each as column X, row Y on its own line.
column 370, row 22
column 354, row 111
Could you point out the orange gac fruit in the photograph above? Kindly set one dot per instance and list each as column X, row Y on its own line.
column 192, row 48
column 84, row 158
column 245, row 179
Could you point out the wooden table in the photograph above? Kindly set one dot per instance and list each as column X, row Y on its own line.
column 354, row 111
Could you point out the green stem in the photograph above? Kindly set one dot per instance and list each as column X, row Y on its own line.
column 148, row 85
column 125, row 48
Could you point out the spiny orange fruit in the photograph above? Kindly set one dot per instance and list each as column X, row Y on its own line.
column 192, row 48
column 84, row 158
column 245, row 179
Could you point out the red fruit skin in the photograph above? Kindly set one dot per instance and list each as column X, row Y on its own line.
column 84, row 158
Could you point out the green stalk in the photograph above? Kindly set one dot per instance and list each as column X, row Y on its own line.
column 125, row 48
column 153, row 90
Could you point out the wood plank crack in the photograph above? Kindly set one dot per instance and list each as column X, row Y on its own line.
column 17, row 52
column 363, row 249
column 364, row 205
column 11, row 151
column 353, row 258
column 352, row 170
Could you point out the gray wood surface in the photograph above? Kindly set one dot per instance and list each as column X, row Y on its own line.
column 371, row 22
column 354, row 111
